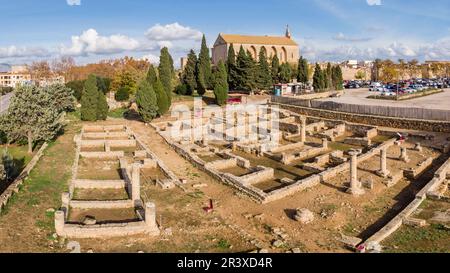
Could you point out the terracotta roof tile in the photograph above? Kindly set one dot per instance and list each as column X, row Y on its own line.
column 258, row 40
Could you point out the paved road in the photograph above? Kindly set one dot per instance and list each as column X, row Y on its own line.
column 359, row 96
column 4, row 102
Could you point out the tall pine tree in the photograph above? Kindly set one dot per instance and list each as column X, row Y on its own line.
column 89, row 100
column 318, row 79
column 302, row 72
column 275, row 69
column 264, row 79
column 231, row 67
column 102, row 106
column 221, row 87
column 245, row 71
column 166, row 73
column 151, row 75
column 285, row 74
column 204, row 79
column 146, row 101
column 161, row 97
column 329, row 77
column 189, row 77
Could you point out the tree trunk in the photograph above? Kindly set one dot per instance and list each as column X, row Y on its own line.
column 30, row 143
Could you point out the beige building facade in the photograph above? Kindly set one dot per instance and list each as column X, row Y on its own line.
column 284, row 47
column 18, row 75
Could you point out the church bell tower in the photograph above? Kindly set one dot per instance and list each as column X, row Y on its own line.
column 288, row 32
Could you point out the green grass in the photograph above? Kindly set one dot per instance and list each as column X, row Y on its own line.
column 27, row 210
column 434, row 238
column 117, row 113
column 223, row 244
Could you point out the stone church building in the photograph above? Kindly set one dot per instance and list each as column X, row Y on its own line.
column 284, row 47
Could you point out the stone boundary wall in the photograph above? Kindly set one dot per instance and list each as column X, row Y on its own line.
column 15, row 185
column 422, row 166
column 101, row 128
column 98, row 184
column 103, row 155
column 116, row 204
column 386, row 121
column 298, row 186
column 400, row 218
column 112, row 143
column 163, row 167
column 105, row 135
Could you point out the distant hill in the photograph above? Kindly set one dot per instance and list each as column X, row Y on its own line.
column 5, row 67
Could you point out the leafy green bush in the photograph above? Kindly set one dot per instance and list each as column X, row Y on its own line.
column 181, row 89
column 123, row 94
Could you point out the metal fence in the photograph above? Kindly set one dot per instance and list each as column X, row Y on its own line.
column 376, row 110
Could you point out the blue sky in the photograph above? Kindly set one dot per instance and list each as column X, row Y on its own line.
column 332, row 30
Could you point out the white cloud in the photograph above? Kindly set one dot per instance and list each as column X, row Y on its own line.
column 21, row 52
column 151, row 58
column 341, row 37
column 374, row 2
column 172, row 32
column 90, row 42
column 74, row 2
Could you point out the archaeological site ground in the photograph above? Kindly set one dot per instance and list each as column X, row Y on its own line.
column 259, row 178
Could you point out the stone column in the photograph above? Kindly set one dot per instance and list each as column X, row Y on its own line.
column 136, row 183
column 150, row 215
column 403, row 155
column 355, row 184
column 59, row 222
column 303, row 129
column 107, row 146
column 65, row 200
column 384, row 172
column 325, row 143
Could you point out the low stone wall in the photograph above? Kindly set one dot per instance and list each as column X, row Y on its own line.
column 100, row 128
column 105, row 135
column 260, row 174
column 98, row 184
column 358, row 141
column 112, row 143
column 298, row 186
column 400, row 218
column 103, row 155
column 15, row 185
column 78, row 231
column 222, row 164
column 293, row 146
column 414, row 173
column 117, row 204
column 385, row 121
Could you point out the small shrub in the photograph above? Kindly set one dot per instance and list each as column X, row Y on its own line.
column 123, row 94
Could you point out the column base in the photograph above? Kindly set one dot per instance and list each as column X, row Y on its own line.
column 357, row 191
column 383, row 174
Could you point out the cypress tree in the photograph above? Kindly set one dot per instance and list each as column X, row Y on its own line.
column 221, row 87
column 339, row 78
column 318, row 79
column 275, row 69
column 204, row 78
column 264, row 79
column 166, row 73
column 189, row 77
column 102, row 106
column 329, row 76
column 161, row 96
column 285, row 75
column 245, row 71
column 231, row 67
column 151, row 75
column 146, row 101
column 89, row 100
column 302, row 72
